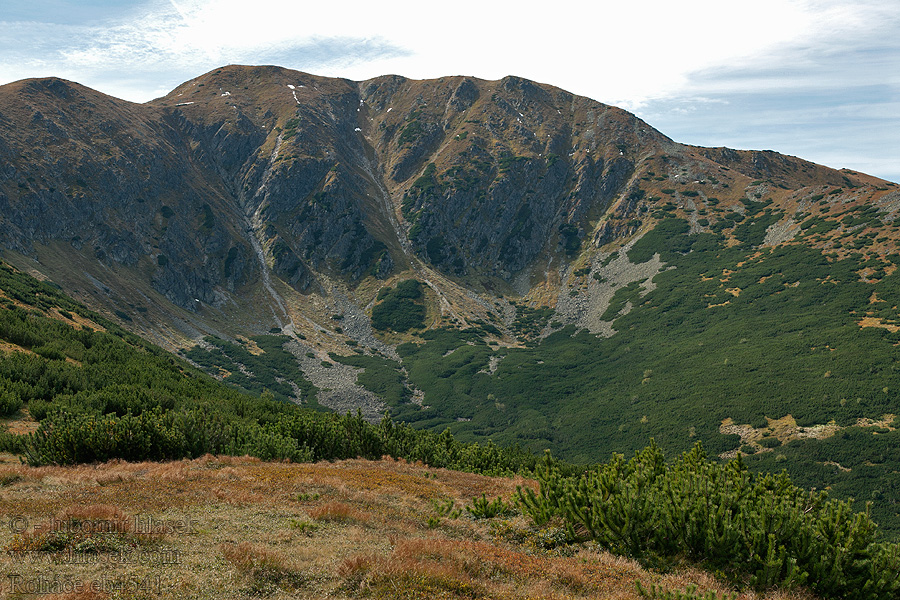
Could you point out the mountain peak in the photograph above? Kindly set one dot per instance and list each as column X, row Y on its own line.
column 320, row 182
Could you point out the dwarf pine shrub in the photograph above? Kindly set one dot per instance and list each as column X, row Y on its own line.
column 760, row 530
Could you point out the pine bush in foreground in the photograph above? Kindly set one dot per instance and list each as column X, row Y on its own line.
column 762, row 531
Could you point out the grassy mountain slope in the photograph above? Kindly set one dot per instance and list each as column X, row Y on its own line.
column 92, row 392
column 101, row 393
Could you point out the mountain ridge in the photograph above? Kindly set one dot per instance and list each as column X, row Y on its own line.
column 229, row 128
column 502, row 258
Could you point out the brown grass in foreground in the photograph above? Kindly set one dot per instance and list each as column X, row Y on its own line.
column 237, row 527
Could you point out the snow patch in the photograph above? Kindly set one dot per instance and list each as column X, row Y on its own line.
column 290, row 86
column 226, row 94
column 390, row 109
column 357, row 129
column 183, row 103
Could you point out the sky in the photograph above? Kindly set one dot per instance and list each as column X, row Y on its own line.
column 818, row 79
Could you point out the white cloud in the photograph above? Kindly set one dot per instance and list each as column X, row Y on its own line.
column 611, row 50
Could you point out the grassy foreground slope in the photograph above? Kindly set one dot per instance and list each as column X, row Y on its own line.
column 100, row 394
column 238, row 527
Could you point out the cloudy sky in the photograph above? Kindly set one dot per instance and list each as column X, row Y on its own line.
column 819, row 79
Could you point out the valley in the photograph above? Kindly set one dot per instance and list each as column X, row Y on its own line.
column 502, row 259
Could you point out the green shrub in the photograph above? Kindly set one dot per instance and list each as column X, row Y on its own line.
column 669, row 235
column 14, row 444
column 400, row 309
column 447, row 508
column 482, row 508
column 759, row 529
column 10, row 401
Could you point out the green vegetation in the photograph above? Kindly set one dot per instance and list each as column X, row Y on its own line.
column 667, row 237
column 529, row 322
column 711, row 341
column 400, row 309
column 382, row 376
column 508, row 161
column 424, row 187
column 760, row 531
column 631, row 293
column 273, row 370
column 427, row 181
column 10, row 400
column 109, row 394
column 412, row 130
column 482, row 508
column 290, row 128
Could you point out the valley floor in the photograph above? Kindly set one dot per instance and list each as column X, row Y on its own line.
column 238, row 527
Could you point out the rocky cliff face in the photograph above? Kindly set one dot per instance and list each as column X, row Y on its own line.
column 256, row 194
column 118, row 182
column 490, row 174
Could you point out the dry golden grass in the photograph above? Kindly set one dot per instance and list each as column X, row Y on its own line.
column 21, row 423
column 227, row 527
column 85, row 594
column 337, row 512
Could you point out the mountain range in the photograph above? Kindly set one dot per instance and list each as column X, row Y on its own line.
column 502, row 258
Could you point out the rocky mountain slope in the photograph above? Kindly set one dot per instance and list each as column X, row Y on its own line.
column 502, row 258
column 259, row 197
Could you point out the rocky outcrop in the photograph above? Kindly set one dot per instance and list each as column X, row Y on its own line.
column 105, row 176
